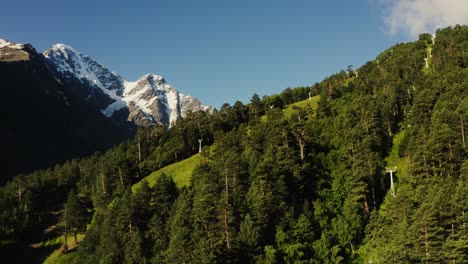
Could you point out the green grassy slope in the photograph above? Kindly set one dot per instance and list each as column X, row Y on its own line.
column 401, row 175
column 57, row 256
column 287, row 112
column 313, row 103
column 180, row 171
column 394, row 159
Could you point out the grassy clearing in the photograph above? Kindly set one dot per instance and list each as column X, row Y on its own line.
column 289, row 110
column 57, row 256
column 180, row 171
column 394, row 159
column 312, row 103
column 400, row 176
column 429, row 59
column 349, row 80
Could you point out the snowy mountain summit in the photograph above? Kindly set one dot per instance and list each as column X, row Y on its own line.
column 149, row 100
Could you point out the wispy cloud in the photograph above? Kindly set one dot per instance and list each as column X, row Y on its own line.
column 412, row 17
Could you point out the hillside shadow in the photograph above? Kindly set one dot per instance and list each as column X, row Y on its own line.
column 35, row 245
column 16, row 253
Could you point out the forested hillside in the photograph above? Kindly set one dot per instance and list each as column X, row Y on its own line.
column 305, row 185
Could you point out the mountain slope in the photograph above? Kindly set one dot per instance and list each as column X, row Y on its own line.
column 180, row 171
column 148, row 101
column 308, row 186
column 42, row 123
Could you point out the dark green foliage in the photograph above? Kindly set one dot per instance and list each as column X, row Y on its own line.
column 247, row 240
column 256, row 107
column 74, row 217
column 179, row 227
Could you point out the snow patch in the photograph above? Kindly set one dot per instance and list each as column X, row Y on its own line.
column 5, row 43
column 115, row 106
column 173, row 103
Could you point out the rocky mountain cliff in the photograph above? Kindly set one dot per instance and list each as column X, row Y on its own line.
column 148, row 101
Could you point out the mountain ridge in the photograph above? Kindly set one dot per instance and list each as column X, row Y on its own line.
column 150, row 100
column 43, row 123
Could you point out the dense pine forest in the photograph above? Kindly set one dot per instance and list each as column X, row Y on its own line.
column 297, row 177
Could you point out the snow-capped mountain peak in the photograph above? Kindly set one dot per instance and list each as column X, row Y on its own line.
column 148, row 100
column 70, row 62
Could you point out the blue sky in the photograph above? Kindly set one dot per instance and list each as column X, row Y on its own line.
column 218, row 51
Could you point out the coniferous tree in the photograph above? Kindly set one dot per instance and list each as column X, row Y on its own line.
column 179, row 225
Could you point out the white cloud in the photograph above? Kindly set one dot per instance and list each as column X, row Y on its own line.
column 412, row 17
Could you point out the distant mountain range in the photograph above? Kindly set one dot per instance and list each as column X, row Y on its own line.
column 148, row 101
column 62, row 104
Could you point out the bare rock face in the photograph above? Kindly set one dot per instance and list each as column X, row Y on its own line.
column 137, row 116
column 10, row 51
column 148, row 101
